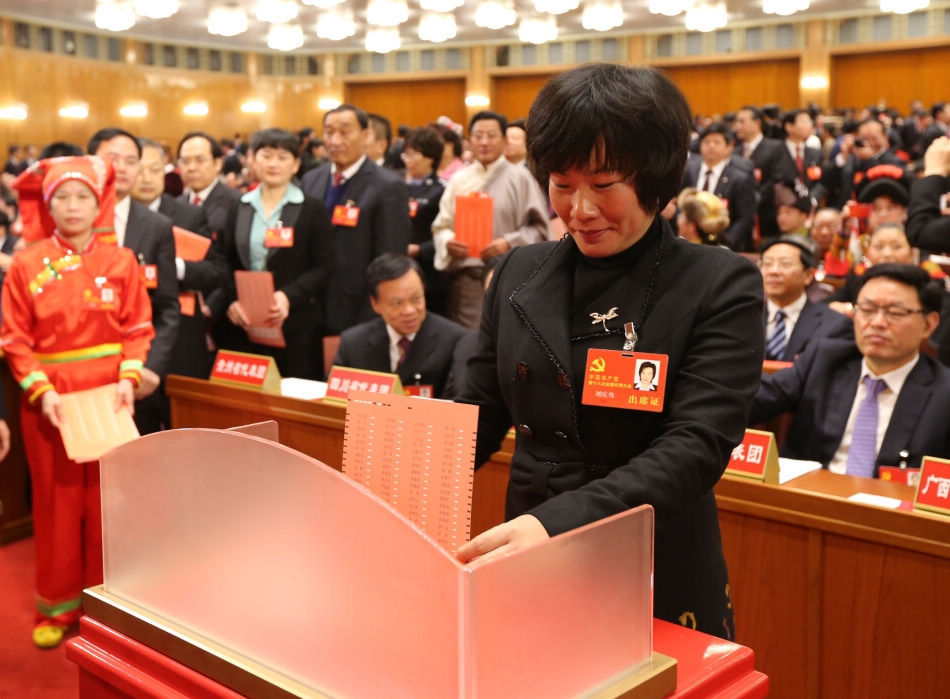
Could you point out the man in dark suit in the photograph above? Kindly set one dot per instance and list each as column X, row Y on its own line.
column 200, row 157
column 792, row 322
column 939, row 124
column 714, row 171
column 858, row 406
column 860, row 152
column 369, row 210
column 149, row 235
column 196, row 278
column 404, row 339
column 798, row 126
column 772, row 165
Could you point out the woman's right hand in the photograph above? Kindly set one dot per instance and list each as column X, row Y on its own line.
column 52, row 408
column 236, row 315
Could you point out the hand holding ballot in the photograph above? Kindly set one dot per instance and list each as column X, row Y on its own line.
column 52, row 403
column 509, row 537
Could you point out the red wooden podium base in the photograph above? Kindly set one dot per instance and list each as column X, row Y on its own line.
column 112, row 665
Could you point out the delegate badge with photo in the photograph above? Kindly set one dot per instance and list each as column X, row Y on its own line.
column 149, row 276
column 630, row 380
column 347, row 215
column 279, row 237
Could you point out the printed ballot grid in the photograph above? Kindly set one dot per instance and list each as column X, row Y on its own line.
column 418, row 455
column 92, row 426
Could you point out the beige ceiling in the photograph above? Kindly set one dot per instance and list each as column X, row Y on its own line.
column 189, row 24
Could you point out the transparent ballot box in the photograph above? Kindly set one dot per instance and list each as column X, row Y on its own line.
column 260, row 553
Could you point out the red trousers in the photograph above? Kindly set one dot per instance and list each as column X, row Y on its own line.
column 67, row 520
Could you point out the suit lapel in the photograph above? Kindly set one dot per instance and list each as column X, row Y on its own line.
column 133, row 229
column 242, row 233
column 320, row 181
column 910, row 405
column 844, row 385
column 805, row 327
column 358, row 183
column 288, row 218
column 377, row 345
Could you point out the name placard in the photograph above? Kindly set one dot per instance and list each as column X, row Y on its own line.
column 245, row 370
column 933, row 491
column 756, row 457
column 344, row 379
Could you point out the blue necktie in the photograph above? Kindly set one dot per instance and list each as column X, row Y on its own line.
column 775, row 346
column 863, row 450
column 335, row 192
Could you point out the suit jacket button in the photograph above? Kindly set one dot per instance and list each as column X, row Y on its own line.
column 563, row 381
column 522, row 370
column 560, row 435
column 525, row 430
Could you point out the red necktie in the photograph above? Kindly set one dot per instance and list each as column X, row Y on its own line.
column 337, row 179
column 708, row 180
column 196, row 201
column 800, row 161
column 403, row 343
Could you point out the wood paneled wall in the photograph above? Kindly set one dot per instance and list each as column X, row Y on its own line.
column 47, row 83
column 725, row 87
column 512, row 95
column 411, row 102
column 894, row 77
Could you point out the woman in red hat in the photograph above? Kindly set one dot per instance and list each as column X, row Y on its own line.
column 76, row 315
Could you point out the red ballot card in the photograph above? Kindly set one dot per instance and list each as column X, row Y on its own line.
column 186, row 303
column 91, row 424
column 282, row 237
column 474, row 221
column 190, row 246
column 255, row 292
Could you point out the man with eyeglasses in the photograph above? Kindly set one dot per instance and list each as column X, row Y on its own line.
column 877, row 401
column 149, row 235
column 519, row 216
column 792, row 322
column 404, row 339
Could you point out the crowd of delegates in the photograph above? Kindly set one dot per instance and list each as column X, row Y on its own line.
column 357, row 225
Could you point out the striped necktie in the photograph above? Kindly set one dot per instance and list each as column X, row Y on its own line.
column 863, row 450
column 775, row 346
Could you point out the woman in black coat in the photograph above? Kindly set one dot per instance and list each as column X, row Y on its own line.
column 612, row 140
column 300, row 269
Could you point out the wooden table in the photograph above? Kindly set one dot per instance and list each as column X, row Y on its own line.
column 836, row 598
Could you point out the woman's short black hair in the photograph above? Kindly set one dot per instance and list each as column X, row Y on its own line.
column 633, row 121
column 427, row 141
column 647, row 365
column 929, row 291
column 389, row 266
column 281, row 139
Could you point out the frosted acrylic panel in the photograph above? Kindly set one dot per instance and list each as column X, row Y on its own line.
column 560, row 619
column 282, row 559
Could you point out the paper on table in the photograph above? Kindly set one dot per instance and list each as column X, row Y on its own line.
column 190, row 246
column 418, row 455
column 876, row 500
column 304, row 389
column 255, row 291
column 92, row 426
column 793, row 468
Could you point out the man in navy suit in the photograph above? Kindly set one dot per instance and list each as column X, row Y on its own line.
column 404, row 338
column 859, row 405
column 715, row 172
column 772, row 164
column 792, row 322
column 369, row 212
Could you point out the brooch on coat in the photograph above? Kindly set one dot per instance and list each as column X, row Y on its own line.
column 604, row 317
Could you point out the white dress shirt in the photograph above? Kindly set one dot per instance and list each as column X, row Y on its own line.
column 349, row 172
column 751, row 146
column 886, row 400
column 202, row 195
column 121, row 219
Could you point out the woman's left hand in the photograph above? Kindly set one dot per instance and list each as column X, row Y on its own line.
column 518, row 534
column 125, row 395
column 279, row 310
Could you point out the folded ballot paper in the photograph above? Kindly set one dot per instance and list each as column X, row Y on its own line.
column 92, row 426
column 255, row 291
